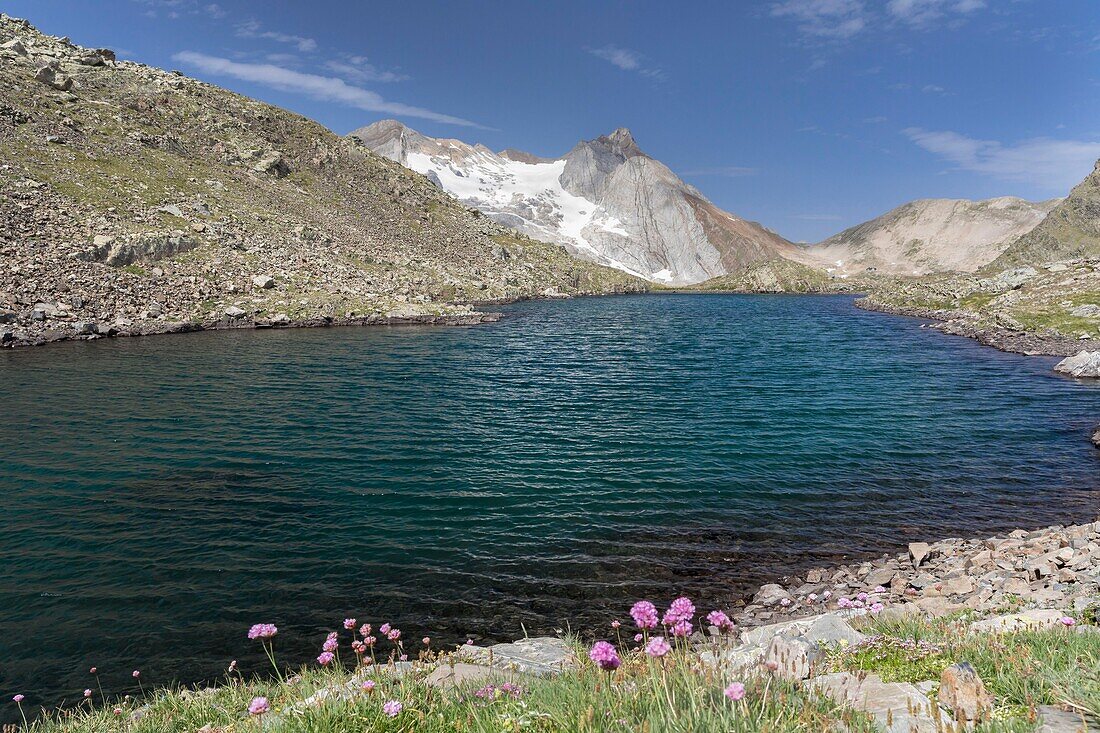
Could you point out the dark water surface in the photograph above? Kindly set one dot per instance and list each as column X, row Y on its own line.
column 162, row 494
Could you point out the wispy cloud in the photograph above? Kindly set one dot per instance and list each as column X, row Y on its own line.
column 322, row 88
column 831, row 19
column 840, row 20
column 728, row 171
column 924, row 12
column 1056, row 165
column 177, row 8
column 627, row 60
column 253, row 29
column 358, row 69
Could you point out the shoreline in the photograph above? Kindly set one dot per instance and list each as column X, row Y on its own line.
column 946, row 322
column 1002, row 339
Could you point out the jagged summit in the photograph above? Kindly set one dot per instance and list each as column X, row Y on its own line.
column 605, row 200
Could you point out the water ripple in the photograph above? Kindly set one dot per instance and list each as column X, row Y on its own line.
column 166, row 493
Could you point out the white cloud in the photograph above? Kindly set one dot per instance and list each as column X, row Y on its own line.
column 839, row 20
column 836, row 19
column 357, row 69
column 1056, row 165
column 922, row 12
column 933, row 89
column 627, row 60
column 323, row 88
column 253, row 29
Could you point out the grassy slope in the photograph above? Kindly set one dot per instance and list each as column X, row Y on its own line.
column 343, row 230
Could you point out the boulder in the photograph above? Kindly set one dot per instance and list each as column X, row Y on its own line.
column 770, row 594
column 264, row 282
column 1083, row 364
column 234, row 312
column 918, row 551
column 280, row 319
column 1096, row 437
column 50, row 76
column 273, row 164
column 792, row 658
column 963, row 693
column 1030, row 620
column 16, row 46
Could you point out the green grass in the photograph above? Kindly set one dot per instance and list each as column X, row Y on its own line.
column 673, row 694
column 679, row 693
column 1022, row 669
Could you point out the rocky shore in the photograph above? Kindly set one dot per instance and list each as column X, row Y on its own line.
column 1055, row 567
column 1000, row 338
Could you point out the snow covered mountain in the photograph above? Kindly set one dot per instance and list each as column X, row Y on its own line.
column 605, row 200
column 931, row 235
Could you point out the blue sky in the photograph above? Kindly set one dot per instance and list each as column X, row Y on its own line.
column 807, row 115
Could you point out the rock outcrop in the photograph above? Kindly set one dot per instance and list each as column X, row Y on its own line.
column 605, row 200
column 1082, row 364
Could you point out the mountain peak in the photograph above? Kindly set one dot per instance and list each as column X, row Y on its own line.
column 622, row 141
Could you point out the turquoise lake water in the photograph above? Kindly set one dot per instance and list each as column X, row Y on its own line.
column 163, row 494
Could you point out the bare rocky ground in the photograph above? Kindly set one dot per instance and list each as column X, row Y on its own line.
column 135, row 200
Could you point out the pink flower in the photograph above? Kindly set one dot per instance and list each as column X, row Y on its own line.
column 118, row 711
column 877, row 607
column 233, row 666
column 392, row 708
column 18, row 699
column 735, row 691
column 358, row 647
column 857, row 604
column 844, row 603
column 364, row 630
column 259, row 706
column 605, row 656
column 862, row 597
column 427, row 640
column 87, row 693
column 638, row 637
column 403, row 658
column 615, row 624
column 681, row 628
column 325, row 658
column 644, row 614
column 658, row 646
column 785, row 602
column 349, row 623
column 369, row 640
column 262, row 631
column 368, row 686
column 330, row 645
column 135, row 674
column 879, row 589
column 93, row 670
column 393, row 634
column 384, row 629
column 812, row 597
column 719, row 619
column 682, row 609
column 1068, row 621
column 827, row 595
column 469, row 642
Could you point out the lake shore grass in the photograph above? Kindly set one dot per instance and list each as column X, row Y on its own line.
column 627, row 686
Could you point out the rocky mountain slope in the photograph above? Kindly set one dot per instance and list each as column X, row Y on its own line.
column 136, row 200
column 604, row 200
column 931, row 235
column 1072, row 229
